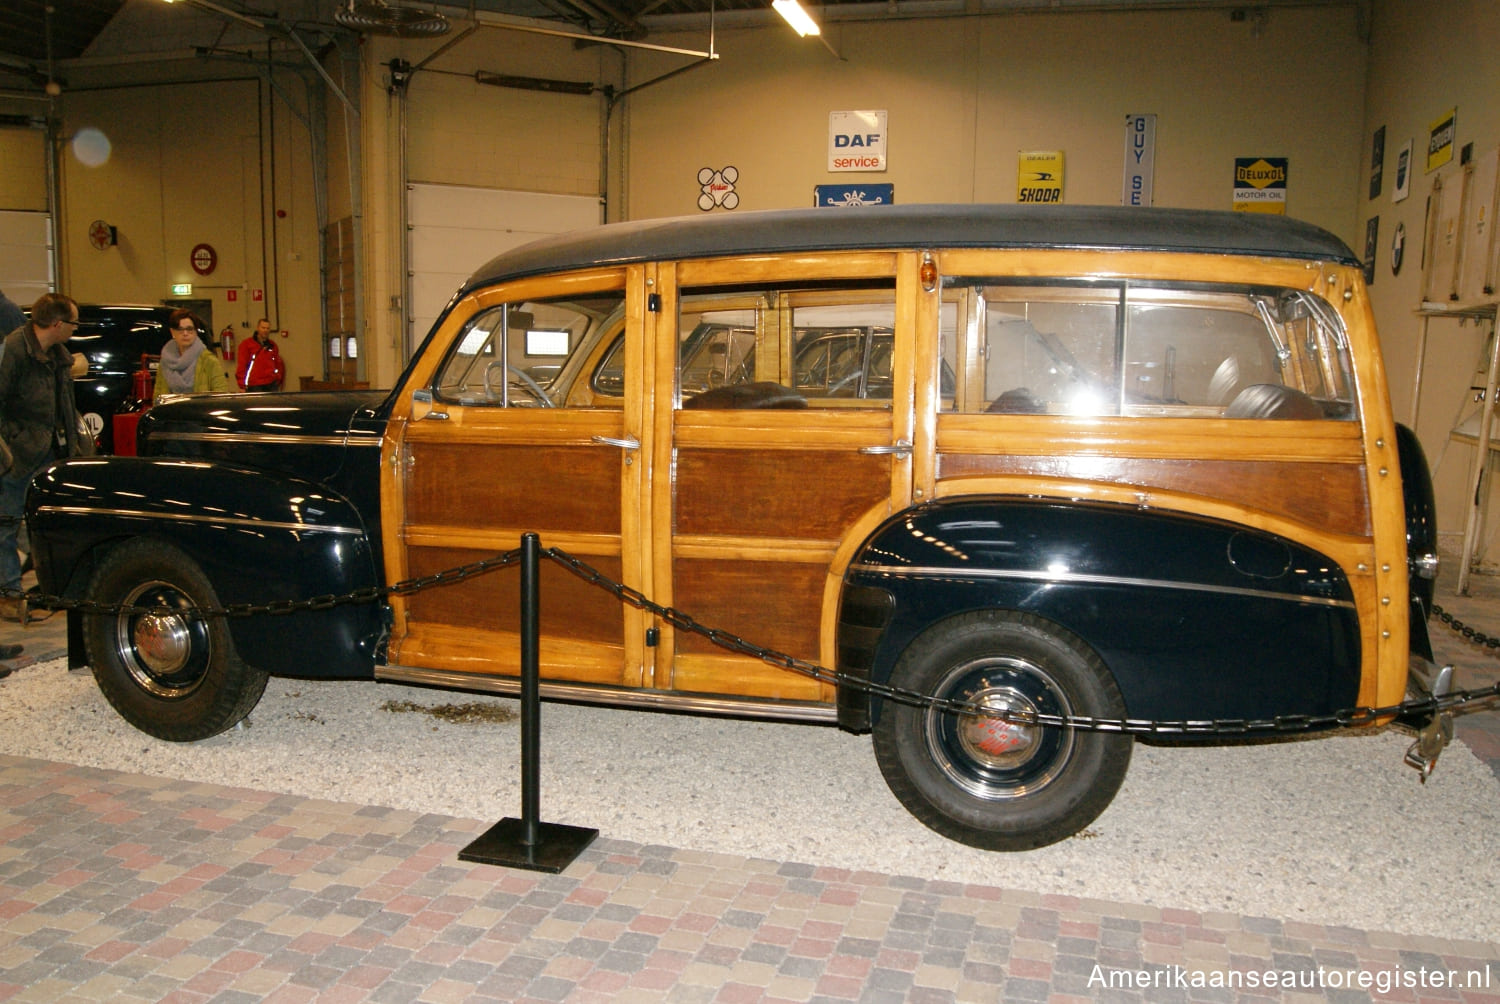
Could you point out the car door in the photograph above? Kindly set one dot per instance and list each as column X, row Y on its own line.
column 779, row 464
column 507, row 426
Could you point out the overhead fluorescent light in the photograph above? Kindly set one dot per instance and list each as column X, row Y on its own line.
column 801, row 22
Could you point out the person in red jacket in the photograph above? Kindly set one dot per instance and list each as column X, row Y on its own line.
column 260, row 367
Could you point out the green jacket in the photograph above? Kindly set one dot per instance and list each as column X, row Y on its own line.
column 208, row 377
column 36, row 400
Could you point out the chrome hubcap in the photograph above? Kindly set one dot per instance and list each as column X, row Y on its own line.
column 991, row 758
column 165, row 653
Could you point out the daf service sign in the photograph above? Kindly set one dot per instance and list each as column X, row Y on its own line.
column 856, row 141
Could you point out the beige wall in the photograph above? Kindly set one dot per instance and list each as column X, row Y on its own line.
column 460, row 132
column 964, row 95
column 1426, row 59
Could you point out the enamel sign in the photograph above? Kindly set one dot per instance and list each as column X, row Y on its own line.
column 848, row 196
column 1260, row 185
column 856, row 141
column 1039, row 176
column 1140, row 159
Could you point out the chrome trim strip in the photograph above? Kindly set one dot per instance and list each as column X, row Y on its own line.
column 594, row 693
column 1079, row 578
column 258, row 524
column 352, row 439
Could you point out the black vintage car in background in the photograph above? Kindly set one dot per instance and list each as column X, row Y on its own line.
column 114, row 337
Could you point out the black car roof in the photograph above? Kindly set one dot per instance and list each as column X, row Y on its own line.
column 920, row 226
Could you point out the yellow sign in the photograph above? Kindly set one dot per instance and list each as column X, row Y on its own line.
column 1260, row 185
column 1039, row 177
column 1440, row 140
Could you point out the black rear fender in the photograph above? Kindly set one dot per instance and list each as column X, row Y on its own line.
column 1195, row 618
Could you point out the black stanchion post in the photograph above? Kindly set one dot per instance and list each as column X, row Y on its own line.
column 527, row 842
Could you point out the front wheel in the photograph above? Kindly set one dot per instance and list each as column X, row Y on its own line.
column 169, row 673
column 984, row 781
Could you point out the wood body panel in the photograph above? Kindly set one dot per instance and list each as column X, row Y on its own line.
column 570, row 607
column 485, row 487
column 1330, row 496
column 773, row 604
column 485, row 652
column 754, row 493
column 721, row 672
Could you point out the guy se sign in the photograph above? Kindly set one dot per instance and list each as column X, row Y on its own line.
column 856, row 141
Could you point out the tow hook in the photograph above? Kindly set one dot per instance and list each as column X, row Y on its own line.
column 1436, row 733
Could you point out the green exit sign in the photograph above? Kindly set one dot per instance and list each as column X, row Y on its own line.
column 182, row 289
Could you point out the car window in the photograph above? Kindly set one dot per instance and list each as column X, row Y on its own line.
column 788, row 347
column 1134, row 349
column 525, row 354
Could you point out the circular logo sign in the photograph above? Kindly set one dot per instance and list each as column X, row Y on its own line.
column 99, row 234
column 205, row 259
column 1398, row 248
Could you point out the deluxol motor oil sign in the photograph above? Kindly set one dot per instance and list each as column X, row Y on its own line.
column 856, row 141
column 1039, row 176
column 1260, row 185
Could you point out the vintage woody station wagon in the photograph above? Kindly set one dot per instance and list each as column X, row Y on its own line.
column 1070, row 462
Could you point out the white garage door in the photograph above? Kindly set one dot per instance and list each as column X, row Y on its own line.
column 454, row 229
column 25, row 256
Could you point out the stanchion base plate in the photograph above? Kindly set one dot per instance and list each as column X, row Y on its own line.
column 556, row 847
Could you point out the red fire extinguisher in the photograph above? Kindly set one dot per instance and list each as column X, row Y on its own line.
column 226, row 342
column 143, row 383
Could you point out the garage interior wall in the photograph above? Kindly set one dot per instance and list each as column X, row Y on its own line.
column 964, row 95
column 1427, row 59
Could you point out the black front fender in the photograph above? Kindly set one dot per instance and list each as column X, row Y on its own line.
column 1195, row 618
column 258, row 537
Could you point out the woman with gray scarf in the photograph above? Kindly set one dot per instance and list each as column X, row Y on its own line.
column 187, row 366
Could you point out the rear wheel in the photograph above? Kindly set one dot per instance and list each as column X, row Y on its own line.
column 171, row 674
column 987, row 782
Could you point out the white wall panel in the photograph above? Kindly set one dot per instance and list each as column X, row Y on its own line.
column 454, row 229
column 25, row 256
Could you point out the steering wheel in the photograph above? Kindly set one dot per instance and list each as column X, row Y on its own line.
column 506, row 370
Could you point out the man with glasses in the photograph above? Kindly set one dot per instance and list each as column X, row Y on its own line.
column 38, row 422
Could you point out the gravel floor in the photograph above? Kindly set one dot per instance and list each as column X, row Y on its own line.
column 1330, row 831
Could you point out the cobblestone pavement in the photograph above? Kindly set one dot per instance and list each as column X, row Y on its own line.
column 118, row 886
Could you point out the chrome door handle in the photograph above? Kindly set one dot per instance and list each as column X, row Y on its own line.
column 628, row 443
column 434, row 416
column 900, row 448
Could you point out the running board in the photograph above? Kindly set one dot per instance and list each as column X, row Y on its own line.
column 593, row 693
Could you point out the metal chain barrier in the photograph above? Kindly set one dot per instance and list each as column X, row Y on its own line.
column 1483, row 640
column 1277, row 725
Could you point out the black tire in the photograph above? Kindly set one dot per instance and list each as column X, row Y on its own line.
column 176, row 677
column 981, row 781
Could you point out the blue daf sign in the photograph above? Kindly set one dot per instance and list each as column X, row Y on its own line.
column 843, row 196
